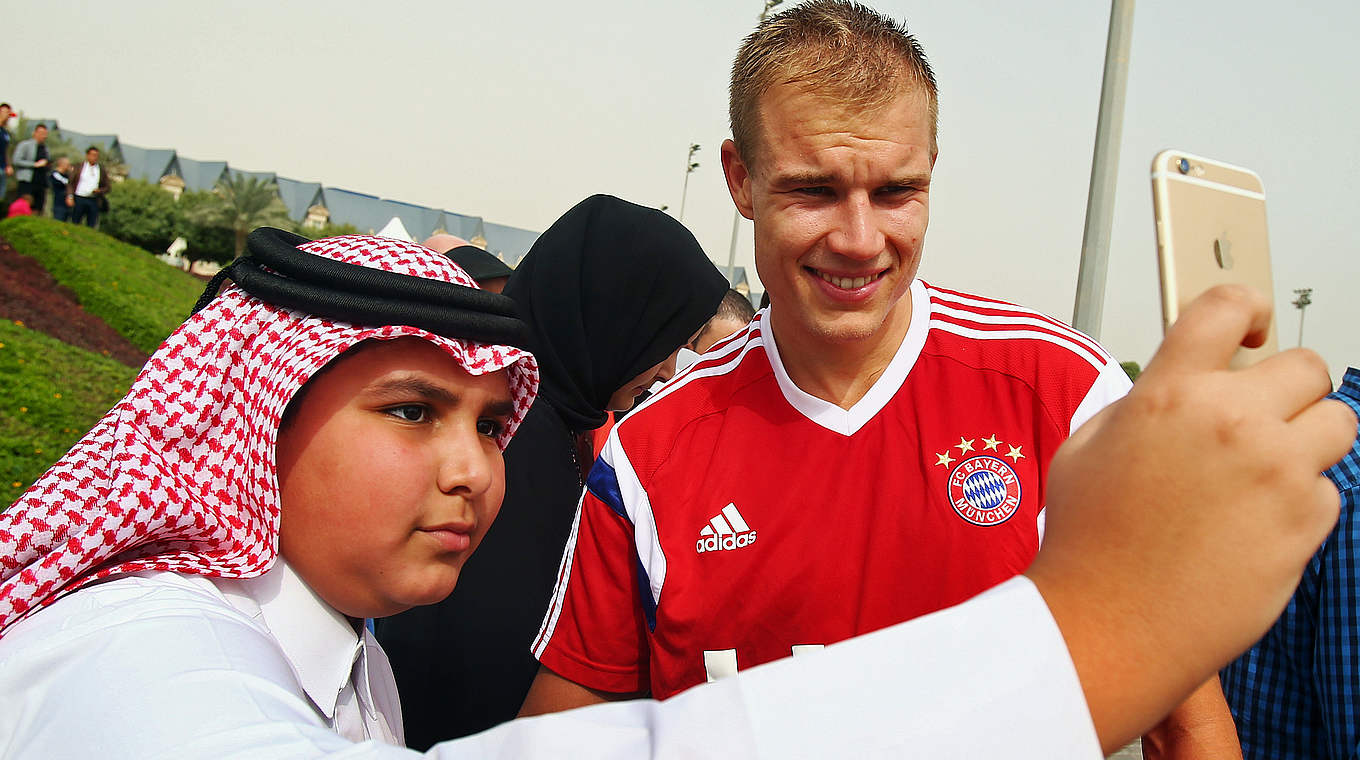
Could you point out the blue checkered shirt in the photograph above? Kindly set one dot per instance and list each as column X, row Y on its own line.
column 1296, row 694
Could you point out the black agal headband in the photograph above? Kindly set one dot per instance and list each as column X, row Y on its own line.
column 276, row 271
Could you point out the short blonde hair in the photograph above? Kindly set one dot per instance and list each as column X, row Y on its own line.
column 838, row 48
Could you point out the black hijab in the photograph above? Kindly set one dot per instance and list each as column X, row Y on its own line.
column 609, row 290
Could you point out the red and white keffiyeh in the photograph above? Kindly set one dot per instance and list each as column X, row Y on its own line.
column 180, row 474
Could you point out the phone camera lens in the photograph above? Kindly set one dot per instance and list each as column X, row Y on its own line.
column 1183, row 165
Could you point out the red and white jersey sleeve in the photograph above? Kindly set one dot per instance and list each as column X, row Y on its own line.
column 733, row 519
column 602, row 645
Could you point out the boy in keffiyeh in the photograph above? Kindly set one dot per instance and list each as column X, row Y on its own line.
column 272, row 478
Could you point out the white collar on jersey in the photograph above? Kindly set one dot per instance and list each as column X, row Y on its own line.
column 848, row 421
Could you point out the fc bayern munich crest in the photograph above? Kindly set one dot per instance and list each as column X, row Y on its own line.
column 984, row 490
column 983, row 487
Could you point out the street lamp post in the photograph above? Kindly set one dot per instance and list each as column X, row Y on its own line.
column 1304, row 297
column 690, row 166
column 1095, row 238
column 736, row 215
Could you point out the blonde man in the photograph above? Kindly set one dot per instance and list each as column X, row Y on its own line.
column 882, row 444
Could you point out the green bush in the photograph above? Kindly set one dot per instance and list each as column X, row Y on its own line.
column 241, row 203
column 327, row 230
column 137, row 295
column 141, row 213
column 52, row 394
column 207, row 238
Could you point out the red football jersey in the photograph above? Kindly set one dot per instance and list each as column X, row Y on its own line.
column 734, row 519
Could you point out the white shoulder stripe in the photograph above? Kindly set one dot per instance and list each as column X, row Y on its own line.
column 1018, row 321
column 736, row 352
column 1075, row 348
column 960, row 300
column 638, row 505
column 728, row 345
column 646, row 539
column 554, row 611
column 636, row 502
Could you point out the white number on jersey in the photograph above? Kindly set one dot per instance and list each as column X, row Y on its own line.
column 721, row 663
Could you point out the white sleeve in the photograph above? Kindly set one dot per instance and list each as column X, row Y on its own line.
column 121, row 670
column 987, row 678
column 1111, row 385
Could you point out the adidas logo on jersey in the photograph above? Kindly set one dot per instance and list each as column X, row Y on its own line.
column 726, row 531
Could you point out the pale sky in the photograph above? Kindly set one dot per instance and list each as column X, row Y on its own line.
column 516, row 111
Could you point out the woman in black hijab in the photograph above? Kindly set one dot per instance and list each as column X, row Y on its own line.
column 610, row 293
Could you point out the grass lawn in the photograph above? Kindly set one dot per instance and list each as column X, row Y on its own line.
column 140, row 297
column 52, row 393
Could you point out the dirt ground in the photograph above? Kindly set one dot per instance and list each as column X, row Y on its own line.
column 30, row 295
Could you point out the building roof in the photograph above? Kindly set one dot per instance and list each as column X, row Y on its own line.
column 738, row 276
column 298, row 196
column 464, row 226
column 201, row 175
column 149, row 164
column 419, row 221
column 265, row 176
column 108, row 143
column 509, row 244
column 366, row 212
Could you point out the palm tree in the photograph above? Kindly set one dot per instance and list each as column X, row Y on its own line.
column 246, row 203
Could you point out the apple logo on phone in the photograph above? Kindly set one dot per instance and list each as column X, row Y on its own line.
column 1223, row 252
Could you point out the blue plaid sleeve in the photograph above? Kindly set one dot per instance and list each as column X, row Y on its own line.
column 1294, row 694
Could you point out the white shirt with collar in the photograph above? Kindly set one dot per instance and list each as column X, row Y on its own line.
column 87, row 179
column 193, row 667
column 162, row 665
column 331, row 660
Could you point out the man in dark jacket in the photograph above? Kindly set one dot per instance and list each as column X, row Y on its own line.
column 89, row 181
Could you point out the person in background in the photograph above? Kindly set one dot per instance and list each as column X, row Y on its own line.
column 611, row 292
column 443, row 242
column 724, row 323
column 1296, row 693
column 490, row 272
column 754, row 490
column 734, row 313
column 22, row 206
column 88, row 183
column 30, row 161
column 6, row 170
column 60, row 181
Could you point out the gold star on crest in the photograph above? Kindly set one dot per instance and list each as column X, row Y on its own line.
column 944, row 460
column 965, row 446
column 990, row 443
column 1015, row 454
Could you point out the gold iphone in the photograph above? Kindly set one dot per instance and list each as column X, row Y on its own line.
column 1211, row 229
